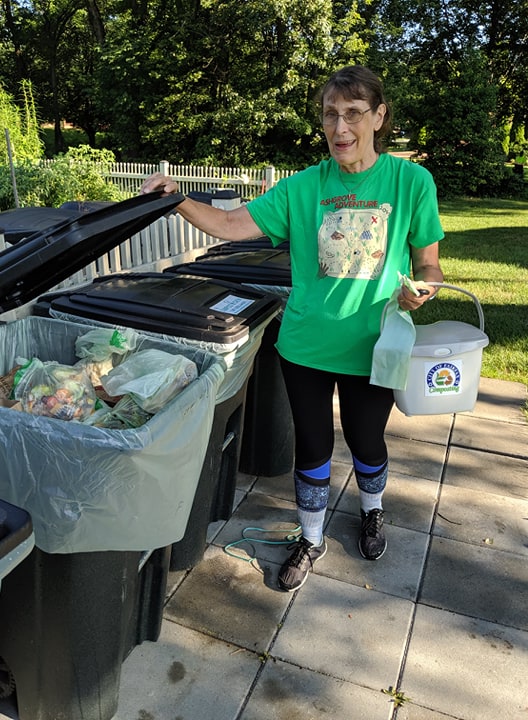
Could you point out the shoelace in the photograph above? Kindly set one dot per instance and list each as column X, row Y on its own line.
column 302, row 550
column 373, row 523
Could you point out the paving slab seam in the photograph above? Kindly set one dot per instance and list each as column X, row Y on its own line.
column 500, row 453
column 268, row 656
column 437, row 713
column 478, row 618
column 416, row 602
column 424, row 441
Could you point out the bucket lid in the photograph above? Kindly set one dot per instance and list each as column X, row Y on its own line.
column 446, row 338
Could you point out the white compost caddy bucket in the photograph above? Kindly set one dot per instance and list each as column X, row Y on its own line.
column 444, row 371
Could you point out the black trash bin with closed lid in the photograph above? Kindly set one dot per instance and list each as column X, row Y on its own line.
column 20, row 223
column 235, row 246
column 268, row 439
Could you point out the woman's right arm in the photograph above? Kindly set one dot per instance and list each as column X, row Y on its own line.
column 234, row 224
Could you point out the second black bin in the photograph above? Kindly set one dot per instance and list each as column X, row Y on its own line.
column 268, row 440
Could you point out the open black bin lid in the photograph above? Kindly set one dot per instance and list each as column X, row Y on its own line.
column 176, row 305
column 262, row 267
column 43, row 259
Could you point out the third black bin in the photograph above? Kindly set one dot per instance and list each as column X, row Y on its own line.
column 221, row 317
column 235, row 246
column 268, row 442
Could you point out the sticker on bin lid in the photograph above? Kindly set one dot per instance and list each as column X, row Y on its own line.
column 443, row 378
column 232, row 304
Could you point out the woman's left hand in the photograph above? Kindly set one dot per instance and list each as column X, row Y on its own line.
column 426, row 268
column 407, row 300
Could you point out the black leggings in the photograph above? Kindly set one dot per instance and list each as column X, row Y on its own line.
column 364, row 411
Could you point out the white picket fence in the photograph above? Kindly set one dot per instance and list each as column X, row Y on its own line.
column 248, row 182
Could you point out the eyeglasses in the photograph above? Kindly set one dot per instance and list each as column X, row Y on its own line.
column 351, row 117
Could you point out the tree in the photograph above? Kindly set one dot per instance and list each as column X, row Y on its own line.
column 461, row 139
column 189, row 95
column 53, row 43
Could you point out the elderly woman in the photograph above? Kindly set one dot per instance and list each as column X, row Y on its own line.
column 353, row 221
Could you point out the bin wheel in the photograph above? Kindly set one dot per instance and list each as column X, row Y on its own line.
column 7, row 680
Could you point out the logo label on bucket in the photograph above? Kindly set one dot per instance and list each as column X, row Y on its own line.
column 443, row 378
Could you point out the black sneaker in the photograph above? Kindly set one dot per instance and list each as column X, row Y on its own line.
column 294, row 572
column 372, row 543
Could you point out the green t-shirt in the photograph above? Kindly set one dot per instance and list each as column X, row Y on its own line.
column 350, row 234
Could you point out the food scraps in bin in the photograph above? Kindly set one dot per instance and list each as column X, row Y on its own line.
column 11, row 404
column 124, row 415
column 105, row 398
column 54, row 390
column 6, row 383
column 126, row 396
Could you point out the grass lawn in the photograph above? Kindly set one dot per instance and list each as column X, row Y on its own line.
column 485, row 251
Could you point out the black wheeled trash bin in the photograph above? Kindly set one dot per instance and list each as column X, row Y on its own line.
column 235, row 246
column 268, row 442
column 221, row 317
column 16, row 542
column 106, row 505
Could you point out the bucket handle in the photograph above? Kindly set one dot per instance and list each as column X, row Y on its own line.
column 449, row 287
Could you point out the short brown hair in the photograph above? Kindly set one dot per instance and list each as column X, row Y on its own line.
column 357, row 82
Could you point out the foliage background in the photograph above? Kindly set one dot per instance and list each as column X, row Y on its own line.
column 226, row 82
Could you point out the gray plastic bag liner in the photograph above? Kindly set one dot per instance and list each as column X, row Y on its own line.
column 392, row 352
column 282, row 291
column 238, row 360
column 88, row 488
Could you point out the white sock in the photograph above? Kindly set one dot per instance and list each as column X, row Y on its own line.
column 312, row 524
column 370, row 501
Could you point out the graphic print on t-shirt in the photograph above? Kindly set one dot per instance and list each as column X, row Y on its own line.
column 353, row 242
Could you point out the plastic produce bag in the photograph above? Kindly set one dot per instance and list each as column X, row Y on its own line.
column 54, row 390
column 239, row 360
column 102, row 343
column 100, row 349
column 392, row 352
column 151, row 377
column 124, row 415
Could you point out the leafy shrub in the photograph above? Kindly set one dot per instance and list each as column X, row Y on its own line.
column 80, row 174
column 22, row 125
